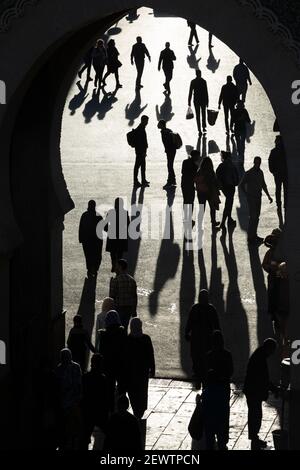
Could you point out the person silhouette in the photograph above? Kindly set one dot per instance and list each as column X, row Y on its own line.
column 228, row 179
column 241, row 76
column 193, row 33
column 138, row 53
column 228, row 97
column 99, row 62
column 116, row 225
column 113, row 63
column 170, row 149
column 198, row 90
column 141, row 145
column 241, row 120
column 79, row 342
column 91, row 244
column 166, row 62
column 87, row 59
column 278, row 168
column 188, row 172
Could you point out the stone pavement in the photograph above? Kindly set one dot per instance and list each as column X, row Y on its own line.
column 170, row 406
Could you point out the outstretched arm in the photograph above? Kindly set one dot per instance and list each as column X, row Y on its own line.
column 147, row 54
column 265, row 189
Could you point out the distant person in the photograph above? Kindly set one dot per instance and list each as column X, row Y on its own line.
column 87, row 59
column 241, row 119
column 113, row 63
column 91, row 244
column 99, row 62
column 123, row 290
column 140, row 366
column 278, row 168
column 256, row 388
column 270, row 265
column 170, row 149
column 188, row 173
column 123, row 433
column 193, row 33
column 138, row 53
column 228, row 178
column 242, row 78
column 107, row 305
column 79, row 342
column 253, row 183
column 117, row 223
column 207, row 187
column 95, row 404
column 228, row 97
column 199, row 92
column 202, row 322
column 141, row 146
column 166, row 62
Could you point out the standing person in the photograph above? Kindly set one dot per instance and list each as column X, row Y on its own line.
column 91, row 244
column 241, row 76
column 99, row 62
column 140, row 366
column 228, row 97
column 170, row 149
column 141, row 146
column 138, row 53
column 202, row 321
column 166, row 61
column 124, row 292
column 253, row 183
column 228, row 179
column 207, row 187
column 278, row 168
column 188, row 173
column 240, row 120
column 116, row 225
column 87, row 59
column 270, row 264
column 256, row 388
column 198, row 90
column 79, row 342
column 193, row 33
column 107, row 305
column 113, row 63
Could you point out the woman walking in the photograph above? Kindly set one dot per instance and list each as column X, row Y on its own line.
column 113, row 63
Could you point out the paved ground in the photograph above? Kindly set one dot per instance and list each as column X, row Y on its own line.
column 98, row 164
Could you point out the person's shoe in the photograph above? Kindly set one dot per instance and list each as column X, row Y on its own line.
column 258, row 444
column 137, row 184
column 167, row 186
column 145, row 183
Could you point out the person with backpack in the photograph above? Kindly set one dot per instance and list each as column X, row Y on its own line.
column 171, row 142
column 137, row 138
column 228, row 179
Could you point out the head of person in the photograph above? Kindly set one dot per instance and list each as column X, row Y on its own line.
column 92, row 206
column 111, row 43
column 225, row 156
column 123, row 403
column 229, row 79
column 217, row 341
column 100, row 43
column 269, row 346
column 97, row 362
column 139, row 39
column 207, row 165
column 77, row 320
column 282, row 271
column 136, row 327
column 112, row 319
column 121, row 266
column 65, row 356
column 162, row 124
column 257, row 162
column 108, row 304
column 144, row 120
column 167, row 45
column 198, row 73
column 195, row 155
column 203, row 297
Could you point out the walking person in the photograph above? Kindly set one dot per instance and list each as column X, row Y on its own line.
column 207, row 187
column 228, row 179
column 253, row 183
column 193, row 33
column 87, row 59
column 256, row 388
column 99, row 62
column 79, row 343
column 170, row 149
column 241, row 119
column 91, row 244
column 140, row 366
column 199, row 92
column 228, row 97
column 113, row 63
column 166, row 62
column 242, row 78
column 141, row 146
column 278, row 168
column 107, row 305
column 116, row 225
column 188, row 173
column 123, row 290
column 138, row 53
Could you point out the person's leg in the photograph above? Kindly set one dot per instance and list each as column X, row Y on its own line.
column 244, row 91
column 171, row 173
column 143, row 169
column 254, row 205
column 82, row 69
column 105, row 77
column 278, row 185
column 225, row 211
column 88, row 73
column 210, row 39
column 226, row 115
column 231, row 109
column 140, row 69
column 229, row 202
column 169, row 75
column 137, row 166
column 196, row 35
column 191, row 38
column 197, row 114
column 118, row 84
column 203, row 112
column 254, row 417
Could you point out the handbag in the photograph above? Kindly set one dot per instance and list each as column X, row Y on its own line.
column 189, row 113
column 196, row 425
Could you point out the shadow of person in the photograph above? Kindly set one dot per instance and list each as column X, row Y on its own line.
column 191, row 59
column 212, row 63
column 87, row 305
column 168, row 257
column 250, row 131
column 91, row 108
column 213, row 147
column 106, row 103
column 134, row 109
column 135, row 222
column 165, row 110
column 78, row 99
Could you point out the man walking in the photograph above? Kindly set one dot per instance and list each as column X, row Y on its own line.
column 253, row 183
column 256, row 388
column 193, row 33
column 87, row 59
column 241, row 75
column 228, row 179
column 138, row 53
column 198, row 90
column 241, row 120
column 228, row 97
column 91, row 244
column 166, row 61
column 141, row 145
column 170, row 149
column 278, row 168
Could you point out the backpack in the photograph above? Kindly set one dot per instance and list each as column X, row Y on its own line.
column 131, row 138
column 176, row 140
